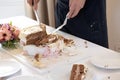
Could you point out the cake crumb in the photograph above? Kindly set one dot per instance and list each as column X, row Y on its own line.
column 108, row 77
column 86, row 44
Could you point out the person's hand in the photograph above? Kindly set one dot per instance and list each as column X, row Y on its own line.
column 74, row 7
column 33, row 3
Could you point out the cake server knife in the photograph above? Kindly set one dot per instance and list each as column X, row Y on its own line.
column 36, row 13
column 61, row 26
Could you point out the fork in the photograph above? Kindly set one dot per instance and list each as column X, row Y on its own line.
column 61, row 26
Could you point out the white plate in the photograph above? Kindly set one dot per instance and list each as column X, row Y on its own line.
column 106, row 62
column 115, row 76
column 8, row 68
column 27, row 77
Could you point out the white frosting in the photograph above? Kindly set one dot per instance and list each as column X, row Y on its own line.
column 48, row 50
column 33, row 50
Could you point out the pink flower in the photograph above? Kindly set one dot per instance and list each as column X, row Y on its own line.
column 1, row 36
column 7, row 34
column 5, row 26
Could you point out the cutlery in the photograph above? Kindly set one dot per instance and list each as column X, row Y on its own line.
column 38, row 20
column 36, row 13
column 61, row 26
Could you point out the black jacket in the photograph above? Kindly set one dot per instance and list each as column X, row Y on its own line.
column 89, row 24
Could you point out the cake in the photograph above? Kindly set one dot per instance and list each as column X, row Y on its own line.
column 40, row 47
column 78, row 72
column 35, row 40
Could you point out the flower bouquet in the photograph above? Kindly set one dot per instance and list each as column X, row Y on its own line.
column 8, row 35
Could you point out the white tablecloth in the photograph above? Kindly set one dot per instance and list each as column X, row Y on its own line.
column 62, row 70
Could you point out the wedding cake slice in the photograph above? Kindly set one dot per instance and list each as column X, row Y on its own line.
column 78, row 72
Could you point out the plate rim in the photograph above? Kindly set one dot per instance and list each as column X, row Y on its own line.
column 19, row 76
column 101, row 66
column 17, row 68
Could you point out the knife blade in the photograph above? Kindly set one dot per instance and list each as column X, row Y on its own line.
column 37, row 17
column 36, row 13
column 61, row 26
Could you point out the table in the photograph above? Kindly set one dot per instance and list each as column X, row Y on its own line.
column 62, row 70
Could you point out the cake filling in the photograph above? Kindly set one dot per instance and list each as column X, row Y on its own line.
column 78, row 72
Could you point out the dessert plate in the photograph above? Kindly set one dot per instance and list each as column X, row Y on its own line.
column 27, row 77
column 8, row 68
column 106, row 62
column 114, row 76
